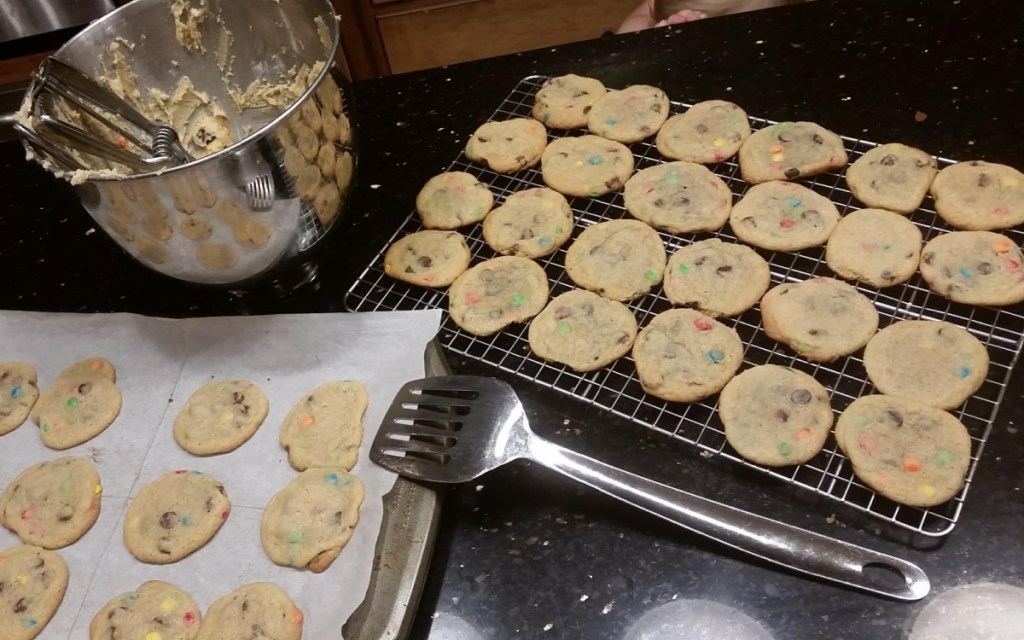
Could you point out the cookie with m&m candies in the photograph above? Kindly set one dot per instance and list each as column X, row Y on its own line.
column 32, row 586
column 907, row 451
column 155, row 610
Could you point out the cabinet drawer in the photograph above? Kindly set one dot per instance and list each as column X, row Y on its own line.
column 460, row 30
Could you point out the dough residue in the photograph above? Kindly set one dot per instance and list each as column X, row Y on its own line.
column 187, row 19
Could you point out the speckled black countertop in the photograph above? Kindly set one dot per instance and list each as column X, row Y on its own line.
column 522, row 552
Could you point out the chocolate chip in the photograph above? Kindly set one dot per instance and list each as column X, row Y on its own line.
column 920, row 164
column 209, row 505
column 563, row 312
column 895, row 417
column 814, row 332
column 238, row 397
column 2, row 587
column 888, row 160
column 526, row 234
column 817, row 139
column 408, row 270
column 244, row 410
column 811, row 216
column 579, row 93
column 681, row 201
column 623, row 338
column 20, row 605
column 800, row 396
column 888, row 275
column 424, row 261
column 660, row 202
column 168, row 519
column 984, row 268
column 521, row 161
column 508, row 139
column 700, row 261
column 784, row 138
column 63, row 515
column 587, row 108
column 656, row 107
column 483, row 139
column 339, row 516
column 749, row 220
column 613, row 184
column 702, row 128
column 723, row 269
column 245, row 606
column 929, row 258
column 984, row 180
column 84, row 388
column 792, row 172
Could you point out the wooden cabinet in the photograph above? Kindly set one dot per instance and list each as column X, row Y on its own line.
column 382, row 37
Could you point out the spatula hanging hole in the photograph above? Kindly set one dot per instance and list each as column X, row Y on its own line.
column 884, row 576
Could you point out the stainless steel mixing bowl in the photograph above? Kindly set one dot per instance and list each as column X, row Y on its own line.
column 238, row 213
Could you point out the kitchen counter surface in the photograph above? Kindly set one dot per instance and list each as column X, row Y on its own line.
column 524, row 553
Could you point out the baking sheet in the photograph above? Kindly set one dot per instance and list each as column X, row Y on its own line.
column 160, row 362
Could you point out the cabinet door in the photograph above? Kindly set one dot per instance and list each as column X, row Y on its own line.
column 460, row 30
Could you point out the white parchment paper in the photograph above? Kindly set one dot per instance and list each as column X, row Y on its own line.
column 159, row 363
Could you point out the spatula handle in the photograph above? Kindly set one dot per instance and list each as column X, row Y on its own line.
column 770, row 540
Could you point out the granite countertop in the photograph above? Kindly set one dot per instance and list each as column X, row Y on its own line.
column 525, row 553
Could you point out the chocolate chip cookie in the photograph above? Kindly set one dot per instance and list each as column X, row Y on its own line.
column 428, row 258
column 531, row 223
column 586, row 166
column 52, row 504
column 453, row 199
column 618, row 259
column 708, row 132
column 979, row 196
column 877, row 247
column 565, row 101
column 783, row 216
column 582, row 330
column 892, row 176
column 974, row 267
column 716, row 278
column 220, row 416
column 496, row 293
column 790, row 150
column 678, row 197
column 508, row 146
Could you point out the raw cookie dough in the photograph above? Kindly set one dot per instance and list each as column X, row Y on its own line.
column 678, row 197
column 196, row 229
column 496, row 293
column 565, row 101
column 683, row 355
column 618, row 259
column 52, row 504
column 790, row 150
column 508, row 146
column 821, row 319
column 893, row 176
column 216, row 256
column 783, row 216
column 220, row 416
column 453, row 199
column 974, row 267
column 880, row 248
column 174, row 515
column 586, row 166
column 716, row 278
column 583, row 330
column 309, row 522
column 979, row 196
column 775, row 415
column 531, row 223
column 34, row 581
column 324, row 429
column 932, row 362
column 259, row 605
column 428, row 258
column 155, row 610
column 907, row 451
column 629, row 115
column 710, row 131
column 18, row 394
column 77, row 407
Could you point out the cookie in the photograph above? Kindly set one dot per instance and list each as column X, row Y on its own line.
column 220, row 416
column 775, row 416
column 496, row 293
column 174, row 515
column 531, row 223
column 155, row 610
column 874, row 246
column 678, row 197
column 259, row 607
column 892, row 176
column 931, row 362
column 309, row 522
column 907, row 451
column 18, row 394
column 582, row 330
column 683, row 355
column 979, row 196
column 716, row 278
column 618, row 259
column 974, row 267
column 586, row 166
column 565, row 101
column 790, row 150
column 324, row 429
column 77, row 407
column 428, row 258
column 453, row 199
column 783, row 216
column 32, row 586
column 508, row 146
column 821, row 319
column 52, row 504
column 216, row 256
column 90, row 367
column 707, row 132
column 629, row 115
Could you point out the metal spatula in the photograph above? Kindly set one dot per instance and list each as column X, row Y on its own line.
column 455, row 428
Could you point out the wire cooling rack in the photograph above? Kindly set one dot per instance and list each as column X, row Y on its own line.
column 616, row 388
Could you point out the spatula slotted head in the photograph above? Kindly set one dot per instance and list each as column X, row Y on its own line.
column 448, row 429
